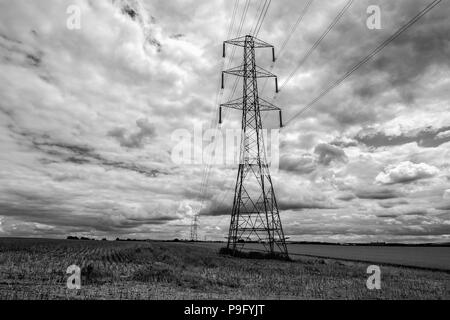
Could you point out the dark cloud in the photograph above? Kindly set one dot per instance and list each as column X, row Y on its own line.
column 346, row 197
column 443, row 206
column 377, row 193
column 224, row 208
column 328, row 153
column 398, row 74
column 389, row 216
column 129, row 11
column 426, row 138
column 83, row 155
column 392, row 203
column 344, row 142
column 137, row 13
column 58, row 210
column 8, row 39
column 34, row 60
column 177, row 36
column 215, row 209
column 426, row 46
column 303, row 164
column 145, row 131
column 416, row 212
column 15, row 51
column 299, row 204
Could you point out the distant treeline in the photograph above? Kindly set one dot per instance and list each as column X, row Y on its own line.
column 385, row 244
column 128, row 239
column 104, row 239
column 372, row 244
column 83, row 238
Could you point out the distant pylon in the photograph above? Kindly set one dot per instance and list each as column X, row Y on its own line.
column 255, row 216
column 194, row 227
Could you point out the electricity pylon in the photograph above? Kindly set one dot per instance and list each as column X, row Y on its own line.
column 194, row 227
column 255, row 216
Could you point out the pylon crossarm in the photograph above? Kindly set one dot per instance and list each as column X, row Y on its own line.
column 238, row 105
column 259, row 72
column 236, row 71
column 261, row 44
column 240, row 42
column 266, row 106
column 263, row 73
column 233, row 104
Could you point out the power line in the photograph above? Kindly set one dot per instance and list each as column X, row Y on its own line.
column 230, row 28
column 262, row 18
column 228, row 190
column 294, row 28
column 317, row 43
column 258, row 16
column 368, row 57
column 256, row 31
column 207, row 171
column 241, row 24
column 286, row 40
column 219, row 95
column 219, row 92
column 244, row 14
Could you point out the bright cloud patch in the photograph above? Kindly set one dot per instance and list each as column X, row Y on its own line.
column 446, row 194
column 406, row 172
column 443, row 135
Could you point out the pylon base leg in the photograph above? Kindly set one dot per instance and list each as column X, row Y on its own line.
column 254, row 254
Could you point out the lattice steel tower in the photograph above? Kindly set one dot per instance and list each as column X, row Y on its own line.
column 255, row 216
column 194, row 228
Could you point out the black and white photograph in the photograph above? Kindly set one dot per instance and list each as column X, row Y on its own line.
column 224, row 150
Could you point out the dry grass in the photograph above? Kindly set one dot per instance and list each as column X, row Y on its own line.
column 35, row 269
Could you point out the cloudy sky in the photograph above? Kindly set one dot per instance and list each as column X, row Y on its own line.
column 87, row 118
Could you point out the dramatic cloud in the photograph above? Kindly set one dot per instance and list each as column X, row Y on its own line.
column 377, row 193
column 443, row 135
column 392, row 203
column 406, row 172
column 346, row 197
column 87, row 117
column 324, row 154
column 300, row 204
column 328, row 153
column 214, row 209
column 303, row 164
column 344, row 142
column 134, row 140
column 427, row 138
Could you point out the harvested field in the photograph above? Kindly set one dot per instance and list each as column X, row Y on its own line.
column 36, row 269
